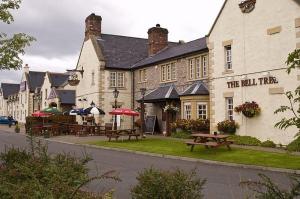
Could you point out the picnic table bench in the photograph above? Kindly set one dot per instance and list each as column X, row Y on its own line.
column 209, row 141
column 122, row 132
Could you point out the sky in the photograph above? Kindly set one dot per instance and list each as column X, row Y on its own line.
column 58, row 26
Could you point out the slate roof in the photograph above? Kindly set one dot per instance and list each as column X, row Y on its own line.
column 58, row 79
column 162, row 93
column 175, row 51
column 122, row 52
column 198, row 88
column 9, row 89
column 35, row 79
column 66, row 96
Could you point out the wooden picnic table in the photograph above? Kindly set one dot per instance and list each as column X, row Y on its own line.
column 209, row 141
column 122, row 132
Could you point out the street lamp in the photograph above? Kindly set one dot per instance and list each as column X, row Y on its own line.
column 143, row 92
column 116, row 94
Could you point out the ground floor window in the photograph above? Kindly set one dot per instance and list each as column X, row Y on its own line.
column 229, row 108
column 187, row 111
column 202, row 110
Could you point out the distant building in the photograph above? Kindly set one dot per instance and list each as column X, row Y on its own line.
column 6, row 90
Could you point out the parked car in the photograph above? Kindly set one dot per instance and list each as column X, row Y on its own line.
column 4, row 120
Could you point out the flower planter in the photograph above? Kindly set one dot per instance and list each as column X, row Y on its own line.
column 249, row 109
column 73, row 82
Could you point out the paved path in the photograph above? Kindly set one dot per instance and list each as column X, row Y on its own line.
column 222, row 181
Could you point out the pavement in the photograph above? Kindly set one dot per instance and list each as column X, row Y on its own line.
column 222, row 181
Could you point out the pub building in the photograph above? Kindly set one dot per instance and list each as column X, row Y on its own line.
column 248, row 46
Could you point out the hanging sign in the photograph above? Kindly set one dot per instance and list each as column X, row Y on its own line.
column 252, row 82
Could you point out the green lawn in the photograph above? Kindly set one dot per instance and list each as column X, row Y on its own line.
column 179, row 148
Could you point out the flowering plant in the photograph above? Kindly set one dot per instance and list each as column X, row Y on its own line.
column 228, row 126
column 187, row 125
column 170, row 108
column 249, row 109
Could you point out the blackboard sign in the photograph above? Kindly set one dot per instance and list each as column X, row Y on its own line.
column 150, row 123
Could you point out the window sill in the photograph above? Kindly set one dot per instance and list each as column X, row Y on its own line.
column 118, row 88
column 198, row 79
column 142, row 82
column 165, row 82
column 226, row 72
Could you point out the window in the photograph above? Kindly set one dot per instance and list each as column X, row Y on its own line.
column 163, row 73
column 120, row 82
column 142, row 75
column 46, row 94
column 202, row 111
column 168, row 72
column 113, row 79
column 187, row 110
column 204, row 66
column 198, row 67
column 229, row 108
column 117, row 79
column 173, row 69
column 228, row 58
column 191, row 69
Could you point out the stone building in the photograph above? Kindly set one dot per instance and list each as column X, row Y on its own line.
column 249, row 44
column 173, row 75
column 6, row 91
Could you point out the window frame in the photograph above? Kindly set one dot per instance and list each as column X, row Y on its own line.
column 204, row 63
column 113, row 81
column 229, row 108
column 191, row 69
column 228, row 57
column 200, row 116
column 198, row 70
column 187, row 115
column 120, row 84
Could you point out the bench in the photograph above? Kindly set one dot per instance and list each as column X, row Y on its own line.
column 136, row 135
column 209, row 144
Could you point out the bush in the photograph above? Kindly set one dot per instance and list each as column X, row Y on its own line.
column 269, row 144
column 17, row 128
column 188, row 125
column 228, row 126
column 36, row 174
column 294, row 145
column 153, row 183
column 181, row 134
column 245, row 140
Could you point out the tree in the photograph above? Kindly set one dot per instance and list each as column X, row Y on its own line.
column 11, row 47
column 293, row 62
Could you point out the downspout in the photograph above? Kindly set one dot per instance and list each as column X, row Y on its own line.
column 132, row 95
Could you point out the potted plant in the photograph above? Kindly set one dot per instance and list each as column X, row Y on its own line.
column 17, row 128
column 228, row 126
column 249, row 109
column 171, row 108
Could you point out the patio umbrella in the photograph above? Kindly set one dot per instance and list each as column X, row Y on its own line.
column 41, row 114
column 77, row 112
column 124, row 111
column 52, row 110
column 94, row 111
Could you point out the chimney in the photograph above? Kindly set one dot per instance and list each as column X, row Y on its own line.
column 92, row 26
column 26, row 69
column 157, row 39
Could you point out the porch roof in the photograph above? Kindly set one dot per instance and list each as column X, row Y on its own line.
column 162, row 93
column 198, row 88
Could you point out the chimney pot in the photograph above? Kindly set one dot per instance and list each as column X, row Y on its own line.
column 158, row 25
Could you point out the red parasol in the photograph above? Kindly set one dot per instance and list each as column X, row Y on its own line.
column 41, row 114
column 124, row 111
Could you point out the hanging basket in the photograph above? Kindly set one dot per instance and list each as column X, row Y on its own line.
column 73, row 82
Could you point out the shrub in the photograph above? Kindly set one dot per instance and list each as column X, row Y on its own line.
column 17, row 128
column 181, row 134
column 154, row 183
column 245, row 140
column 294, row 145
column 228, row 126
column 269, row 144
column 188, row 125
column 36, row 174
column 200, row 125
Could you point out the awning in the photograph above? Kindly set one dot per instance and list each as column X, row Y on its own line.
column 198, row 88
column 161, row 94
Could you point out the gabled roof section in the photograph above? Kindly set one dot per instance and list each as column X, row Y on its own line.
column 198, row 88
column 9, row 89
column 216, row 20
column 174, row 51
column 162, row 93
column 66, row 96
column 58, row 79
column 121, row 52
column 35, row 79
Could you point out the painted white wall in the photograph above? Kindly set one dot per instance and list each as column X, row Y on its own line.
column 254, row 51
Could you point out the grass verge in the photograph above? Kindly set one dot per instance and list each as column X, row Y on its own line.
column 179, row 148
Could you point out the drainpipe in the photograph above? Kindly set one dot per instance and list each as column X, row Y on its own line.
column 132, row 95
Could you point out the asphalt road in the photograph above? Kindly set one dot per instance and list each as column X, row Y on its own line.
column 222, row 181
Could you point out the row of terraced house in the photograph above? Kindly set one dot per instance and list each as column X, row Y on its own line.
column 242, row 58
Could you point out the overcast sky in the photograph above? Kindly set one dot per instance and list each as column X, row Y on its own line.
column 58, row 26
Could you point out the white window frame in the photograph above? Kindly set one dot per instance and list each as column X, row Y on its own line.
column 228, row 57
column 113, row 79
column 142, row 75
column 205, row 115
column 229, row 108
column 173, row 71
column 204, row 65
column 187, row 113
column 168, row 72
column 120, row 79
column 198, row 67
column 191, row 69
column 163, row 73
